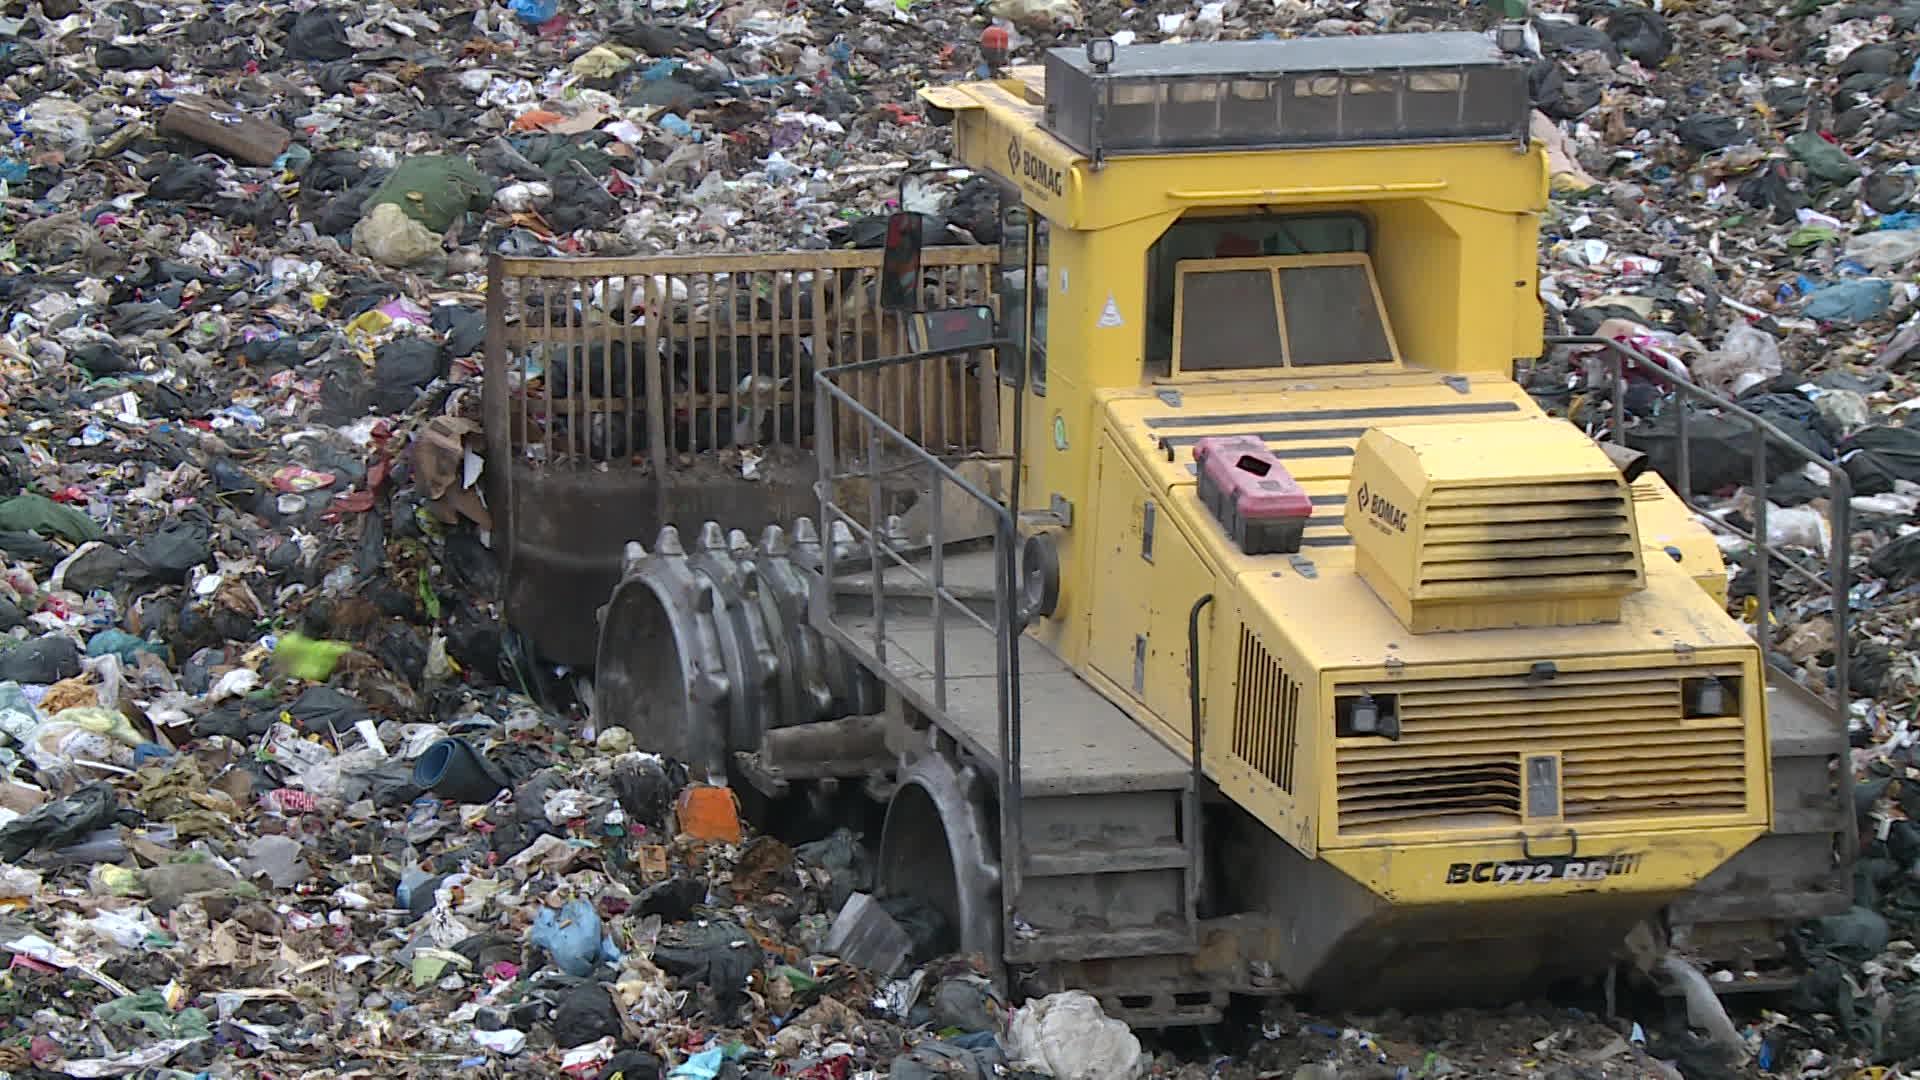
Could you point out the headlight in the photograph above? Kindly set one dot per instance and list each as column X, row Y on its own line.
column 1366, row 714
column 1101, row 52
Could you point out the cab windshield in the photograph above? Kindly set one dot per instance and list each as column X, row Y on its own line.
column 1288, row 312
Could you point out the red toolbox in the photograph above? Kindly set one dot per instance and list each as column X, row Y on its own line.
column 1257, row 501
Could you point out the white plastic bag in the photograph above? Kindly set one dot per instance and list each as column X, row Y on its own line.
column 1748, row 357
column 1888, row 249
column 1068, row 1036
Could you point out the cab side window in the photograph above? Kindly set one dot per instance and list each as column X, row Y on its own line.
column 1024, row 285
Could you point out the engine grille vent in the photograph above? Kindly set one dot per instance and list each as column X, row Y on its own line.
column 1627, row 751
column 1571, row 537
column 1266, row 713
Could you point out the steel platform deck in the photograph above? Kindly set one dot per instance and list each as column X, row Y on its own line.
column 1074, row 741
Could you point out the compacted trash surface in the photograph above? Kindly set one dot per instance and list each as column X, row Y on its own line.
column 280, row 796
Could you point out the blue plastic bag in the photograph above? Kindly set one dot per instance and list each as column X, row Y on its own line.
column 535, row 12
column 1853, row 301
column 704, row 1065
column 572, row 937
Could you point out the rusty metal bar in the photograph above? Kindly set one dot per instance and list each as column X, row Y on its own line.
column 628, row 349
column 496, row 386
column 523, row 361
column 941, row 255
column 733, row 340
column 579, row 374
column 816, row 357
column 547, row 376
column 607, row 394
column 656, row 402
column 713, row 365
column 934, row 507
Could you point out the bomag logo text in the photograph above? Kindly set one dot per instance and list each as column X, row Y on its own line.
column 1382, row 513
column 1034, row 169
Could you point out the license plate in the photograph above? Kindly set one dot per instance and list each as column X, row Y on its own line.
column 1542, row 871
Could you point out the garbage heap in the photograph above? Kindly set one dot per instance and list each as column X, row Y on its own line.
column 279, row 794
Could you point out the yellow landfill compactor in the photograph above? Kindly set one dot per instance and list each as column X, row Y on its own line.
column 1467, row 701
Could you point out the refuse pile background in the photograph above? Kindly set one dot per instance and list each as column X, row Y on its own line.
column 280, row 794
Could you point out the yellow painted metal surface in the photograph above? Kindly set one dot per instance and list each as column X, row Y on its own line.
column 1669, row 531
column 1655, row 862
column 1590, row 781
column 1489, row 524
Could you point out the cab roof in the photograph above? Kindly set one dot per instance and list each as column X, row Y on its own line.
column 1294, row 56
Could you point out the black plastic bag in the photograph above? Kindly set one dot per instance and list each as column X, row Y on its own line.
column 318, row 35
column 183, row 180
column 1711, row 132
column 102, row 358
column 578, row 202
column 60, row 823
column 1558, row 96
column 1642, row 34
column 631, row 1065
column 587, row 1013
column 1571, row 37
column 464, row 328
column 1875, row 457
column 170, row 554
column 42, row 661
column 401, row 367
column 717, row 954
column 323, row 708
column 473, row 565
column 129, row 57
column 1897, row 561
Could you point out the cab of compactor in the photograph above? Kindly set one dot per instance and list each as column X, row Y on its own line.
column 1469, row 704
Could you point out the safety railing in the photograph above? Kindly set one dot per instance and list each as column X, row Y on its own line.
column 1835, row 577
column 866, row 457
column 635, row 361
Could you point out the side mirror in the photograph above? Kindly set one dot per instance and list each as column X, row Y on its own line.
column 900, row 263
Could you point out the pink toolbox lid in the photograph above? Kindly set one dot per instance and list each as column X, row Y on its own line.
column 1261, row 488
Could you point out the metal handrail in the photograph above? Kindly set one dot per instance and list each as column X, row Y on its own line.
column 1006, row 625
column 1838, row 572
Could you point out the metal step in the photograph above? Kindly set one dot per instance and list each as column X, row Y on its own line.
column 1099, row 945
column 1105, row 875
column 1159, row 1007
column 1104, row 861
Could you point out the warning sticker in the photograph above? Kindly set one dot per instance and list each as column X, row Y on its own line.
column 1110, row 315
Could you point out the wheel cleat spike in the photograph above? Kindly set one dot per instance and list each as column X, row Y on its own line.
column 712, row 538
column 738, row 543
column 804, row 533
column 896, row 531
column 668, row 542
column 773, row 541
column 841, row 538
column 631, row 557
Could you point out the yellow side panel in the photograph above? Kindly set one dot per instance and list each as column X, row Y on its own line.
column 1670, row 534
column 1263, row 741
column 1179, row 579
column 1661, row 862
column 1120, row 574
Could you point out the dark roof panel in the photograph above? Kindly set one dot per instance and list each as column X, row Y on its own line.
column 1451, row 49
